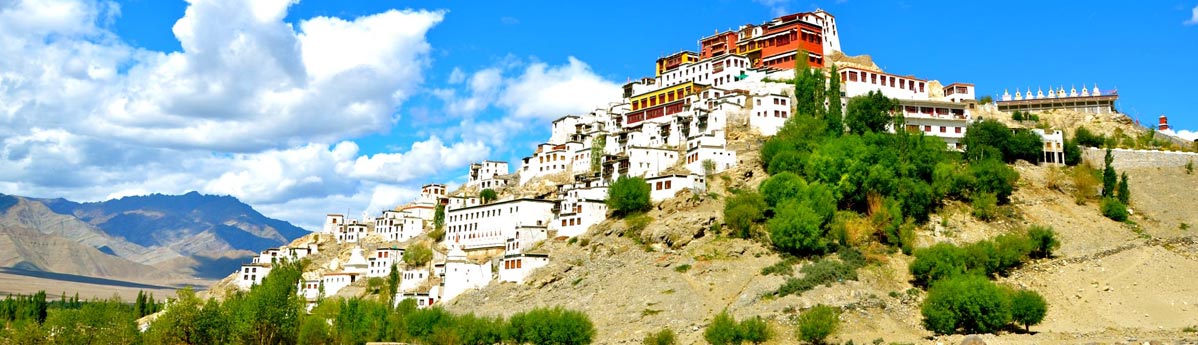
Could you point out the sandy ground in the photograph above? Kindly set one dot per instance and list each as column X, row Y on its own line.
column 16, row 283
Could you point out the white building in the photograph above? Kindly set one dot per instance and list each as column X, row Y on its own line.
column 650, row 161
column 333, row 223
column 309, row 289
column 252, row 274
column 380, row 262
column 665, row 187
column 946, row 120
column 486, row 175
column 769, row 113
column 335, row 281
column 490, row 225
column 575, row 215
column 857, row 82
column 712, row 147
column 1054, row 146
column 397, row 226
column 425, row 207
column 412, row 278
column 516, row 267
column 549, row 159
column 423, row 299
column 461, row 275
column 352, row 232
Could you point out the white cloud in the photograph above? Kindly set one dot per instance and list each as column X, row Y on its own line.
column 250, row 107
column 1184, row 134
column 777, row 7
column 543, row 92
column 1193, row 17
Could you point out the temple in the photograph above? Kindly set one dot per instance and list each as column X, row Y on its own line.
column 773, row 44
column 1087, row 101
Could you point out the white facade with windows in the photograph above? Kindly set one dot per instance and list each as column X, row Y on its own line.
column 665, row 187
column 516, row 267
column 252, row 274
column 490, row 225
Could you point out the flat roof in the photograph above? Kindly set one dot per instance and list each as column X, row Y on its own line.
column 1060, row 99
column 850, row 68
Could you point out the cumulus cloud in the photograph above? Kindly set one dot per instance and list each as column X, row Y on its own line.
column 1184, row 134
column 251, row 106
column 1193, row 17
column 546, row 92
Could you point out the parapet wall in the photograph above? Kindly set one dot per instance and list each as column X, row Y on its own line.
column 1125, row 158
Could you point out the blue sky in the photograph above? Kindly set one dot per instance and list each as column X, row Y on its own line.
column 319, row 106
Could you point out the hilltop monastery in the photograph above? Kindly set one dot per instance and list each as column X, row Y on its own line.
column 677, row 118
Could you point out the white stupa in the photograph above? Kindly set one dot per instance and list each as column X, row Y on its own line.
column 357, row 263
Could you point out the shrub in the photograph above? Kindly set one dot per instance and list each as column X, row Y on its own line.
column 991, row 175
column 628, row 195
column 488, row 195
column 942, row 260
column 1110, row 180
column 1086, row 138
column 817, row 324
column 824, row 272
column 985, row 206
column 722, row 330
column 869, row 113
column 1084, row 184
column 1123, row 193
column 796, row 229
column 635, row 224
column 755, row 330
column 683, row 268
column 966, row 304
column 417, row 255
column 663, row 337
column 1073, row 153
column 1028, row 308
column 1189, row 167
column 742, row 211
column 1113, row 209
column 551, row 326
column 1017, row 116
column 1044, row 241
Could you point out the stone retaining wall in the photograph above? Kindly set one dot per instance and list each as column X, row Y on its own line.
column 1125, row 158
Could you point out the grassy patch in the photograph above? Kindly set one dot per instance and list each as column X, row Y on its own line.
column 649, row 312
column 824, row 272
column 782, row 268
column 682, row 268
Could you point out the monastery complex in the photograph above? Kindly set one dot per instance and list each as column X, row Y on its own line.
column 679, row 117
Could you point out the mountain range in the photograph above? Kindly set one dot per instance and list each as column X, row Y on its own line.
column 150, row 237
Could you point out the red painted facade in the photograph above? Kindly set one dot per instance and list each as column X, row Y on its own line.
column 772, row 44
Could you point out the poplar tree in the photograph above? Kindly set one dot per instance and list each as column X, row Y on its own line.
column 1109, row 178
column 835, row 115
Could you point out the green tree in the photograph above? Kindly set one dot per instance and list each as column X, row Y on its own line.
column 755, row 330
column 723, row 330
column 742, row 211
column 552, row 326
column 941, row 260
column 1073, row 153
column 439, row 217
column 1086, row 138
column 1109, row 177
column 1017, row 116
column 488, row 195
column 393, row 281
column 97, row 322
column 967, row 304
column 985, row 206
column 417, row 255
column 1123, row 193
column 795, row 229
column 663, row 337
column 314, row 331
column 1113, row 209
column 598, row 144
column 1028, row 308
column 1044, row 241
column 179, row 324
column 992, row 176
column 871, row 113
column 628, row 195
column 835, row 116
column 818, row 323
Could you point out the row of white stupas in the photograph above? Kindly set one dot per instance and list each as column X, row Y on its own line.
column 1058, row 93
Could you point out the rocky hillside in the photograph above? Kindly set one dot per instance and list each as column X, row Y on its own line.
column 190, row 235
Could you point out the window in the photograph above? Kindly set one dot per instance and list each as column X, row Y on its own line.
column 942, row 129
column 958, row 129
column 668, row 184
column 927, row 128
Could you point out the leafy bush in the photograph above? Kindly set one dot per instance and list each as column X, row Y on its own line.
column 824, row 272
column 869, row 113
column 966, row 304
column 941, row 260
column 1028, row 308
column 1123, row 193
column 488, row 195
column 742, row 211
column 551, row 326
column 985, row 137
column 417, row 255
column 755, row 330
column 628, row 195
column 782, row 268
column 1044, row 241
column 663, row 337
column 1113, row 209
column 796, row 229
column 1073, row 153
column 985, row 206
column 994, row 177
column 722, row 330
column 1086, row 138
column 817, row 324
column 683, row 268
column 1017, row 116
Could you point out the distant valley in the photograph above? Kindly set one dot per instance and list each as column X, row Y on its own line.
column 151, row 241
